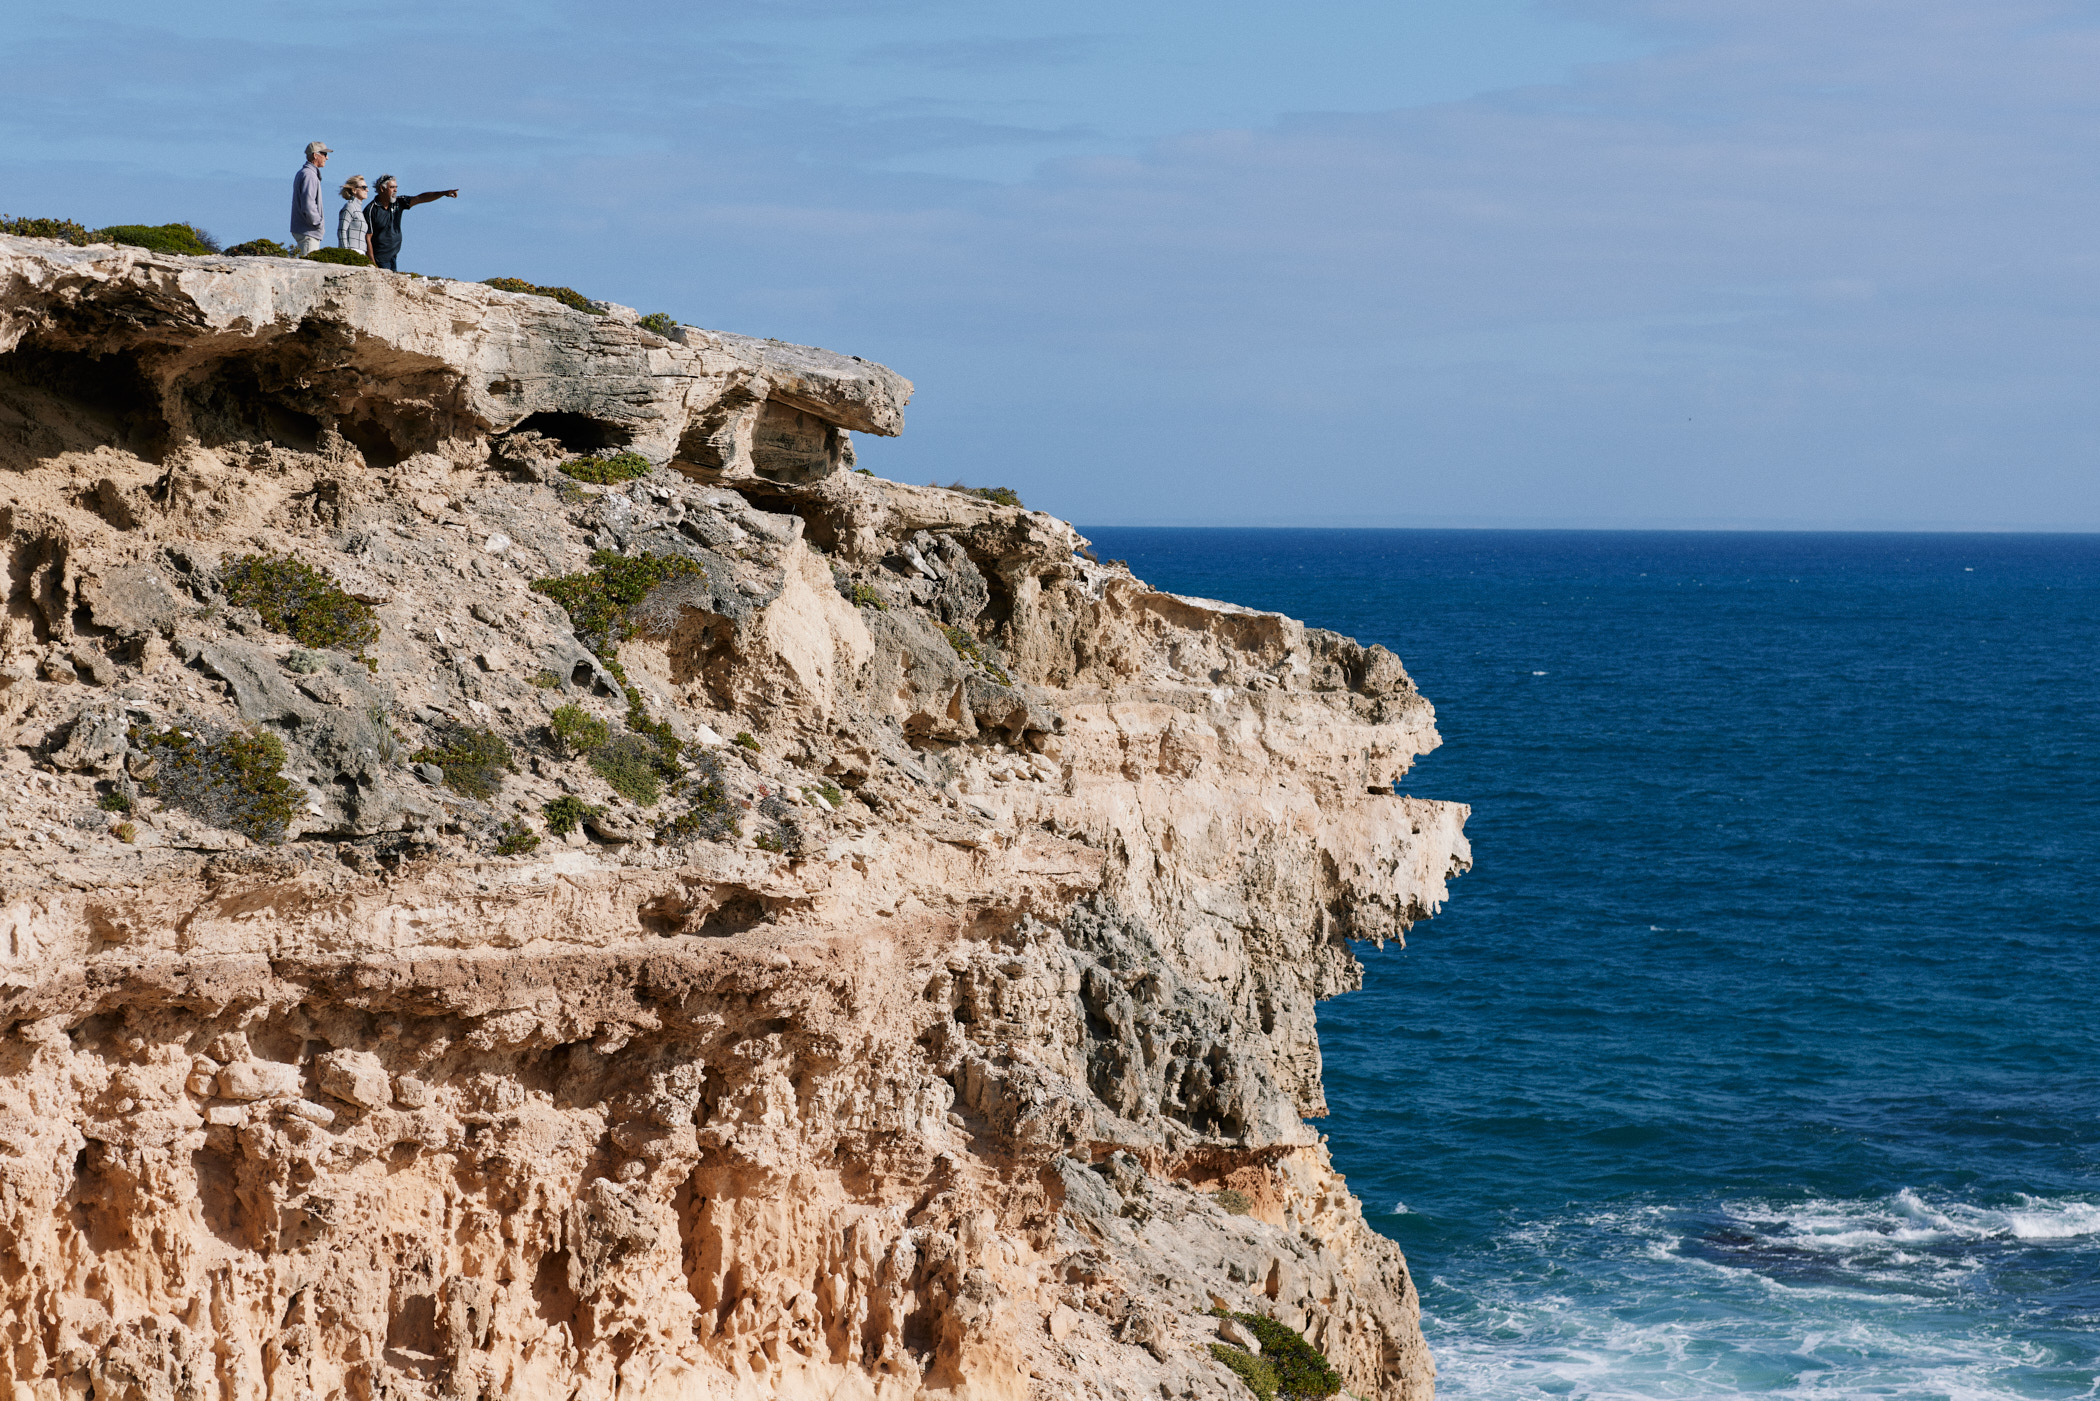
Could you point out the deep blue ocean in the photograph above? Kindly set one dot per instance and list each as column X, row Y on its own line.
column 1759, row 1052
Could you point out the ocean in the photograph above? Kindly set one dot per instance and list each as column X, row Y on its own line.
column 1758, row 1055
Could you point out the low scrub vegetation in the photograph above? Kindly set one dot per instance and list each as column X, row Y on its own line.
column 472, row 760
column 343, row 257
column 1288, row 1369
column 608, row 471
column 567, row 296
column 229, row 779
column 296, row 599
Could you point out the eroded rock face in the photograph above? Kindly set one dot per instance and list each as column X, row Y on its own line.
column 973, row 1057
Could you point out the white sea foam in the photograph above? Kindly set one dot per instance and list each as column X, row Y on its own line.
column 1889, row 1296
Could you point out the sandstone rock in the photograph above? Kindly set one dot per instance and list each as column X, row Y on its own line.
column 260, row 1079
column 354, row 1076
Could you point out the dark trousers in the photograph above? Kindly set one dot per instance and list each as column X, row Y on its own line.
column 386, row 260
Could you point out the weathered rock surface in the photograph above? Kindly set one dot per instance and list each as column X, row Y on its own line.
column 933, row 1076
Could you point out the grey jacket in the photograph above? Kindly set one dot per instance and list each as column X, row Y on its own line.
column 306, row 202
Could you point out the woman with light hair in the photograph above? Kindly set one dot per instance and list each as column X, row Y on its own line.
column 350, row 224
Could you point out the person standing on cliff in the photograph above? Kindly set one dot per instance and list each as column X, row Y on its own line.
column 383, row 220
column 350, row 224
column 306, row 200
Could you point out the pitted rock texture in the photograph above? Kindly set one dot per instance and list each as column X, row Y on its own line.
column 973, row 1058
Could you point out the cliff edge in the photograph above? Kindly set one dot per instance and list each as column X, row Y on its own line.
column 522, row 874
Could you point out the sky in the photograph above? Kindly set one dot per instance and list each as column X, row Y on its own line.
column 1823, row 264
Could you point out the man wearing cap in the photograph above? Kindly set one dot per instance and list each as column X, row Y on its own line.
column 306, row 200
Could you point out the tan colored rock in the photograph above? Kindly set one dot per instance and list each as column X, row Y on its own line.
column 259, row 1079
column 356, row 1077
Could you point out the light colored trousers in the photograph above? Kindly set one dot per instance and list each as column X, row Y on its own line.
column 305, row 244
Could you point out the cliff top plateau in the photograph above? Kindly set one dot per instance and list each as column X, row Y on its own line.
column 524, row 874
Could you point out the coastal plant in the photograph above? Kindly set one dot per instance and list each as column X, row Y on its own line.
column 600, row 605
column 296, row 599
column 1234, row 1201
column 124, row 831
column 230, row 779
column 567, row 296
column 566, row 813
column 64, row 230
column 472, row 760
column 608, row 471
column 744, row 740
column 342, row 257
column 1256, row 1372
column 599, row 602
column 515, row 838
column 783, row 833
column 159, row 238
column 862, row 596
column 1301, row 1371
column 546, row 680
column 970, row 650
column 115, row 800
column 634, row 767
column 579, row 731
column 259, row 248
column 661, row 322
column 997, row 495
column 710, row 813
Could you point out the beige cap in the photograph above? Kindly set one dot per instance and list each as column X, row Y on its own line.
column 317, row 148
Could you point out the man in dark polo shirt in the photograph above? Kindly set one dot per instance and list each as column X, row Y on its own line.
column 383, row 220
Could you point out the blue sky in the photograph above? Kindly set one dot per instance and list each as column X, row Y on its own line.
column 1588, row 262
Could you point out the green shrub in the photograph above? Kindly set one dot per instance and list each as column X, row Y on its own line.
column 228, row 779
column 344, row 257
column 969, row 650
column 298, row 600
column 578, row 730
column 861, row 596
column 661, row 322
column 634, row 768
column 260, row 248
column 1256, row 1372
column 743, row 740
column 1234, row 1201
column 64, row 230
column 607, row 471
column 709, row 812
column 159, row 238
column 474, row 761
column 115, row 800
column 546, row 680
column 565, row 814
column 598, row 602
column 514, row 838
column 567, row 296
column 997, row 495
column 1301, row 1372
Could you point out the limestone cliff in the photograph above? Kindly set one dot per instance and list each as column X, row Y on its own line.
column 927, row 1007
